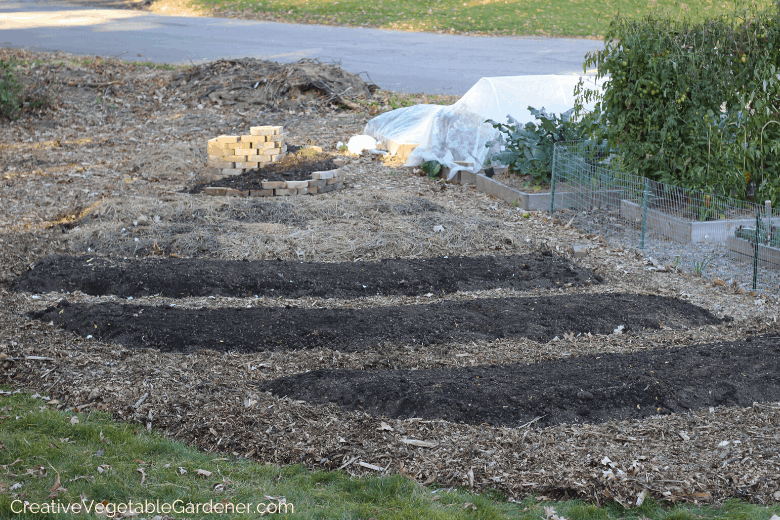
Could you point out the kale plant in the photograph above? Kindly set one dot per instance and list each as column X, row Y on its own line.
column 528, row 149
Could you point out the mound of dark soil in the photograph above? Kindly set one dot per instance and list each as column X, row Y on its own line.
column 273, row 328
column 184, row 277
column 584, row 389
column 293, row 167
column 250, row 81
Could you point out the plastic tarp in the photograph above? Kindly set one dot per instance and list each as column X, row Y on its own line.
column 459, row 132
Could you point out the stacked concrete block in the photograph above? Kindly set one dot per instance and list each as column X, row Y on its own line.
column 235, row 154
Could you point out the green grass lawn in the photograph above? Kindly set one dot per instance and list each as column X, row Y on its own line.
column 62, row 458
column 580, row 18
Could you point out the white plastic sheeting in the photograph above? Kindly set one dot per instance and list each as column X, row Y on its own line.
column 459, row 132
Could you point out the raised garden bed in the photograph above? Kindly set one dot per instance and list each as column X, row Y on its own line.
column 535, row 201
column 679, row 229
column 742, row 245
column 294, row 175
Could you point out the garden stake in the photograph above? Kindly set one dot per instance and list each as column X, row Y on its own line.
column 645, row 196
column 552, row 181
column 755, row 250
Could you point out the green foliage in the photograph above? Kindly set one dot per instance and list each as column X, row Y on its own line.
column 10, row 90
column 699, row 266
column 528, row 149
column 696, row 105
column 432, row 168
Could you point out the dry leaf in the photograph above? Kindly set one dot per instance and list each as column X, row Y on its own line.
column 422, row 444
column 182, row 471
column 203, row 473
column 143, row 475
column 468, row 505
column 57, row 488
column 74, row 420
column 470, row 475
column 385, row 426
column 550, row 514
column 371, row 466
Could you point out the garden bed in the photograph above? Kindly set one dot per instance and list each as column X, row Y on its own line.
column 185, row 277
column 106, row 179
column 536, row 201
column 293, row 175
column 589, row 389
column 745, row 250
column 681, row 229
column 256, row 329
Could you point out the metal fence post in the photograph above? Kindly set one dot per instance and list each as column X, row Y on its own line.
column 552, row 178
column 645, row 196
column 755, row 250
column 768, row 206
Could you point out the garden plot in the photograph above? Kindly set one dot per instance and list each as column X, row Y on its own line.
column 185, row 277
column 540, row 318
column 584, row 389
column 115, row 167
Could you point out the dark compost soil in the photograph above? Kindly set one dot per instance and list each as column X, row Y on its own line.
column 184, row 277
column 293, row 167
column 272, row 328
column 584, row 389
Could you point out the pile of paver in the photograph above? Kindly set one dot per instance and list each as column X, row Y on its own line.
column 235, row 154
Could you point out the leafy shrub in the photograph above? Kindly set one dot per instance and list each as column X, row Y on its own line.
column 694, row 105
column 528, row 149
column 10, row 90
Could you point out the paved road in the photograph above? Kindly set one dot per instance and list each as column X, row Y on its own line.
column 414, row 62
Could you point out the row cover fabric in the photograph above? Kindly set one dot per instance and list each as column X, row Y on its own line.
column 459, row 132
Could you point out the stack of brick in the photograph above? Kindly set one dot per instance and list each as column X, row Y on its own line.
column 320, row 182
column 235, row 154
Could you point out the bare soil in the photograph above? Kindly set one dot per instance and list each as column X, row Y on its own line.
column 291, row 168
column 288, row 328
column 185, row 277
column 589, row 388
column 99, row 171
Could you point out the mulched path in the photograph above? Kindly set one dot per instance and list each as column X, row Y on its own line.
column 593, row 388
column 185, row 277
column 293, row 167
column 282, row 328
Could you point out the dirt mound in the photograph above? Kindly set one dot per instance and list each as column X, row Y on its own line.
column 585, row 389
column 184, row 277
column 293, row 167
column 290, row 328
column 250, row 81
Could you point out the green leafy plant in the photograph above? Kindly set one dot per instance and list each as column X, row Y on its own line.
column 431, row 168
column 700, row 265
column 11, row 90
column 692, row 104
column 528, row 149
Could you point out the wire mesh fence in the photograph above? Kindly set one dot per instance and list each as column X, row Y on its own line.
column 721, row 238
